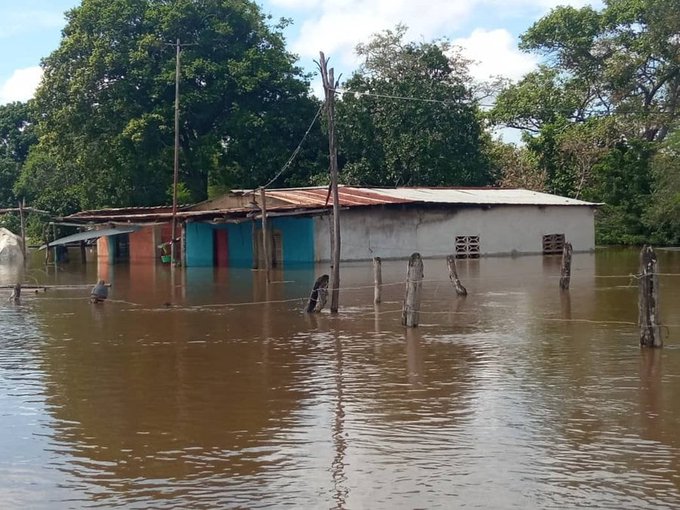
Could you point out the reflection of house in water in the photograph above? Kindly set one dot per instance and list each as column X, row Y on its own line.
column 391, row 223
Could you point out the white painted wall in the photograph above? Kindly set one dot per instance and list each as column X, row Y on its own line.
column 398, row 232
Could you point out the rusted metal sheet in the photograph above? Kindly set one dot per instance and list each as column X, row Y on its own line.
column 311, row 200
column 349, row 196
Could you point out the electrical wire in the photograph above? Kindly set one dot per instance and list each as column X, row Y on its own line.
column 296, row 151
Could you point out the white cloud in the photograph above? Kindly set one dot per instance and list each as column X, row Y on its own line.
column 495, row 53
column 21, row 85
column 336, row 27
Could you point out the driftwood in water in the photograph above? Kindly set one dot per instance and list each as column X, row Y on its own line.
column 377, row 279
column 648, row 302
column 453, row 275
column 565, row 273
column 319, row 296
column 410, row 313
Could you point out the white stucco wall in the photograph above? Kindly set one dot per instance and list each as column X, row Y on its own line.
column 398, row 232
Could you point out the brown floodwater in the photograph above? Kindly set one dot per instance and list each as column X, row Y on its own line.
column 207, row 388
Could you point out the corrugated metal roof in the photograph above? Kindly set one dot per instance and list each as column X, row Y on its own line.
column 479, row 196
column 120, row 211
column 314, row 198
column 92, row 234
column 357, row 196
column 348, row 196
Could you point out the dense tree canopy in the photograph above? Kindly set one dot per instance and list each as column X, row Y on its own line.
column 106, row 102
column 597, row 111
column 407, row 117
column 17, row 135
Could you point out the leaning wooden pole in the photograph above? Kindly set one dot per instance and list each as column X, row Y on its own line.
column 648, row 302
column 377, row 280
column 565, row 272
column 328, row 78
column 266, row 255
column 453, row 275
column 410, row 312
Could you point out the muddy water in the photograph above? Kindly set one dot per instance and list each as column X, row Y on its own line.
column 209, row 389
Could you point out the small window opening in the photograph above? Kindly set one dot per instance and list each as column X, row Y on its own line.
column 553, row 244
column 467, row 247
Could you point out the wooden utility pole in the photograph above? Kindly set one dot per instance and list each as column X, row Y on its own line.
column 22, row 219
column 648, row 302
column 175, row 171
column 328, row 78
column 265, row 233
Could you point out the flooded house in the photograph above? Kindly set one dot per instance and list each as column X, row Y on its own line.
column 384, row 222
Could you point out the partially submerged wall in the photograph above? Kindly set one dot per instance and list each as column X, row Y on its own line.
column 398, row 232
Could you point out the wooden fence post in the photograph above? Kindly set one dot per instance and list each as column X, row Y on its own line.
column 565, row 272
column 377, row 280
column 648, row 302
column 453, row 275
column 410, row 312
column 16, row 294
column 319, row 295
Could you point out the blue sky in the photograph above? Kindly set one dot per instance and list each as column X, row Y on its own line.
column 487, row 30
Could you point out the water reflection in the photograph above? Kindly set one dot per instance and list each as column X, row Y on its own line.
column 208, row 387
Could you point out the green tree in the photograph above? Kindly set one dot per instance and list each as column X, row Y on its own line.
column 433, row 138
column 663, row 217
column 17, row 135
column 595, row 114
column 107, row 100
column 625, row 59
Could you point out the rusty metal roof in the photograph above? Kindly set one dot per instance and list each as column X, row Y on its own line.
column 355, row 196
column 309, row 200
column 349, row 196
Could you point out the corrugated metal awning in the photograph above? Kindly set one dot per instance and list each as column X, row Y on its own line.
column 92, row 234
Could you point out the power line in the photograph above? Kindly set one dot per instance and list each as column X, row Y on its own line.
column 297, row 149
column 402, row 98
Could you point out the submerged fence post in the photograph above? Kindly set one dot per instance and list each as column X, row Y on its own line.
column 565, row 273
column 648, row 302
column 15, row 297
column 453, row 275
column 377, row 280
column 319, row 295
column 410, row 312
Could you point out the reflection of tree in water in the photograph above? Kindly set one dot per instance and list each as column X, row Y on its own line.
column 142, row 397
